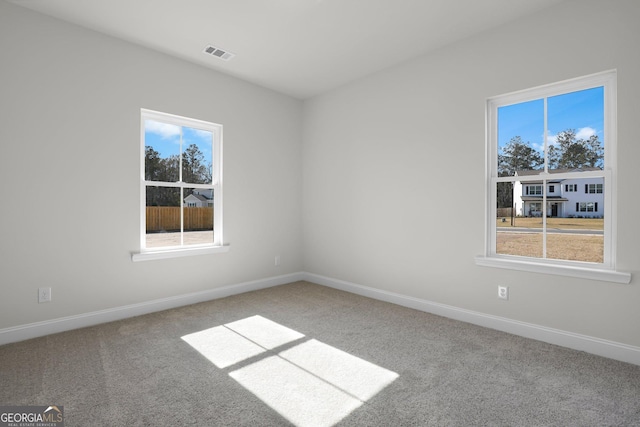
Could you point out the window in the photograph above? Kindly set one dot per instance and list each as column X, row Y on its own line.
column 535, row 208
column 587, row 207
column 550, row 134
column 593, row 188
column 180, row 186
column 534, row 190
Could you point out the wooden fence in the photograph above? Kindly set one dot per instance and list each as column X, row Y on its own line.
column 167, row 218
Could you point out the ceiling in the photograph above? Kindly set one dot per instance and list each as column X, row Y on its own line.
column 298, row 47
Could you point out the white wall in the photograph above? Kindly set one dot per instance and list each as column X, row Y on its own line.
column 380, row 160
column 383, row 155
column 70, row 104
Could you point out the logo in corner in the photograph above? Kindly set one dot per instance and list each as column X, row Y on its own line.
column 32, row 416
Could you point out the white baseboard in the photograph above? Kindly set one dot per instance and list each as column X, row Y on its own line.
column 600, row 347
column 38, row 329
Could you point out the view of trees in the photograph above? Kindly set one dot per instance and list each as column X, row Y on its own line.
column 195, row 170
column 572, row 153
column 518, row 155
column 568, row 152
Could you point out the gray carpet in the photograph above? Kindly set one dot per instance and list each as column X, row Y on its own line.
column 305, row 354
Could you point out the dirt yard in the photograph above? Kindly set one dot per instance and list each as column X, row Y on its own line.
column 159, row 240
column 574, row 247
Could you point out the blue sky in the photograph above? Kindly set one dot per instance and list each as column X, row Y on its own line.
column 165, row 139
column 582, row 111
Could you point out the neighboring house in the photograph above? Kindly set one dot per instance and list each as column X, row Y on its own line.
column 199, row 199
column 576, row 197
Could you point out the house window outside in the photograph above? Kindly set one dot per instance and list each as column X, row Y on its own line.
column 181, row 163
column 535, row 209
column 534, row 190
column 559, row 132
column 587, row 207
column 594, row 188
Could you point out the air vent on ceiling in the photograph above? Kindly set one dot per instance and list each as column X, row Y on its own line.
column 218, row 53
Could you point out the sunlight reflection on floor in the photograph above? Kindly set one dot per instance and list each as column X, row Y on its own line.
column 309, row 383
column 302, row 398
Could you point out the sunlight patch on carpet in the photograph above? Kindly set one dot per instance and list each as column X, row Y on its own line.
column 297, row 395
column 234, row 342
column 264, row 332
column 356, row 376
column 309, row 383
column 222, row 346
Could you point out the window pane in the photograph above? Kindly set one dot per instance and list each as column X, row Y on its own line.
column 576, row 129
column 510, row 242
column 162, row 217
column 198, row 216
column 520, row 137
column 574, row 221
column 576, row 233
column 197, row 156
column 519, row 233
column 505, row 198
column 162, row 151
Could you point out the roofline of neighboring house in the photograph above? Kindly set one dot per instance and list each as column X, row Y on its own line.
column 539, row 198
column 199, row 197
column 552, row 171
column 555, row 181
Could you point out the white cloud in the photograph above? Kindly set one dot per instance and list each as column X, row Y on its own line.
column 204, row 134
column 552, row 139
column 582, row 133
column 165, row 130
column 538, row 147
column 585, row 133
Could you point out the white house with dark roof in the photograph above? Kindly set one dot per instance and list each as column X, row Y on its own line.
column 575, row 197
column 199, row 199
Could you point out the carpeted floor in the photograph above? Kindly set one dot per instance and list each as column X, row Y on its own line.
column 309, row 355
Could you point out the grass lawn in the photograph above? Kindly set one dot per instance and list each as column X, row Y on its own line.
column 557, row 223
column 573, row 247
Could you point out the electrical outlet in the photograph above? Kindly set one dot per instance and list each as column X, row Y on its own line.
column 503, row 292
column 44, row 295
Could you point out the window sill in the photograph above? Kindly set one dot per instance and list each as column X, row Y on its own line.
column 177, row 253
column 559, row 270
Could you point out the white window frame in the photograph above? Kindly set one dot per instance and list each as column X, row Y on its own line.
column 217, row 245
column 599, row 271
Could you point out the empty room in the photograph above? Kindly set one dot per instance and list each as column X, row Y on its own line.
column 319, row 213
